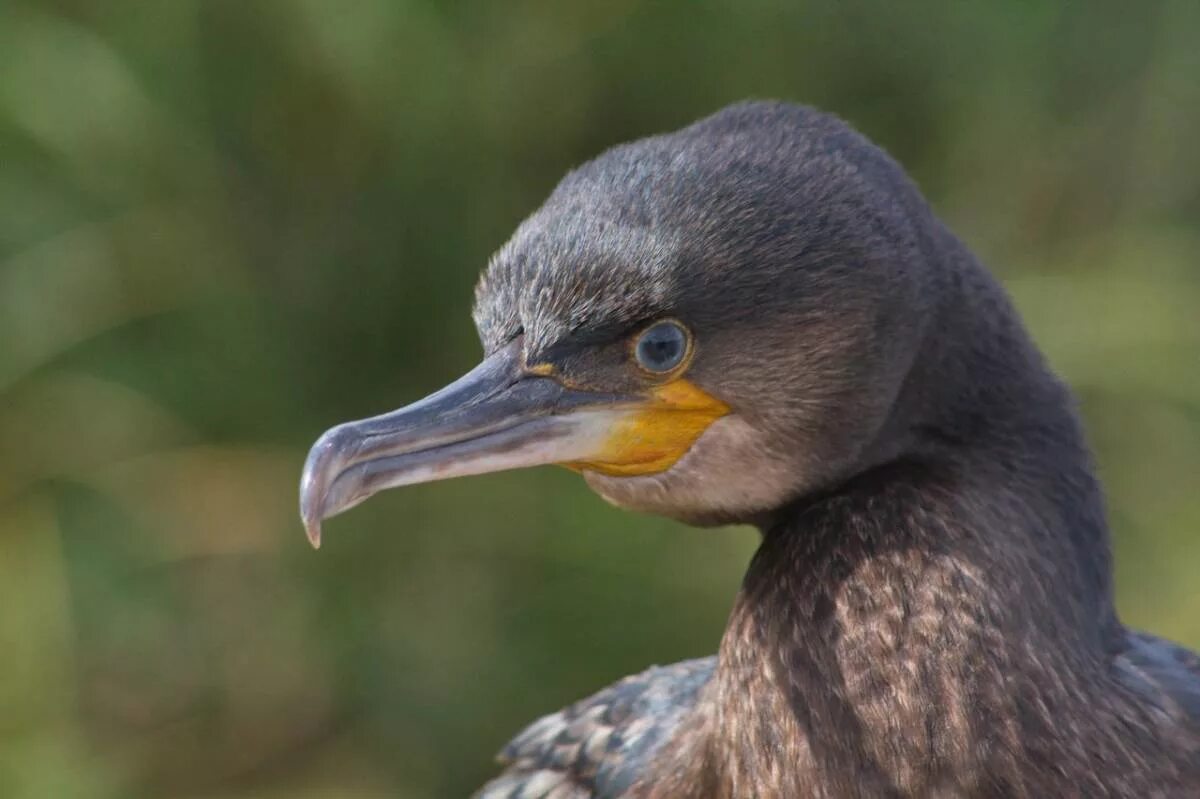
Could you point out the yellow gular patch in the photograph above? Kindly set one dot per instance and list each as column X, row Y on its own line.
column 650, row 438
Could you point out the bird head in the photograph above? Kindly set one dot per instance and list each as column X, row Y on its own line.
column 706, row 324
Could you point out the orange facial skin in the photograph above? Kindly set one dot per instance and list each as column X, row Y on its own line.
column 650, row 438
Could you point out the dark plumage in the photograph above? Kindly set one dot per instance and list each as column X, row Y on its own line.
column 930, row 612
column 604, row 744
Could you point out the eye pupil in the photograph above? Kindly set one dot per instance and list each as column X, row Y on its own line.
column 662, row 347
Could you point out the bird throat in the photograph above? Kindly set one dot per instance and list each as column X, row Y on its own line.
column 878, row 647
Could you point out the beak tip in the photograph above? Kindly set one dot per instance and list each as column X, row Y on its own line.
column 321, row 467
column 311, row 518
column 311, row 507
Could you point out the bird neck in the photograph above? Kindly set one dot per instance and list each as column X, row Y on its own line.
column 882, row 625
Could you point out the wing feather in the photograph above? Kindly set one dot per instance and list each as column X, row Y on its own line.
column 598, row 747
column 1164, row 673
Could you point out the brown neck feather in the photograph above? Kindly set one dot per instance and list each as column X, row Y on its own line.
column 912, row 635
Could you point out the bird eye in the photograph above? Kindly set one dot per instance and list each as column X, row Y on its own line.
column 662, row 347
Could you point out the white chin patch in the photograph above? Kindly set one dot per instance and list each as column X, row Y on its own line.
column 730, row 474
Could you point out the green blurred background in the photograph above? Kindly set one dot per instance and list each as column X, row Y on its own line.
column 227, row 225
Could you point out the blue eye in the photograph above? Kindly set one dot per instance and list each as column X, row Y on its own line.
column 662, row 347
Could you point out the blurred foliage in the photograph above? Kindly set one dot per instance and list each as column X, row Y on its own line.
column 226, row 225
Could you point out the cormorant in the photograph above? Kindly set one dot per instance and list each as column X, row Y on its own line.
column 758, row 319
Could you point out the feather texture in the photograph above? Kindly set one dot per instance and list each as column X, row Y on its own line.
column 599, row 746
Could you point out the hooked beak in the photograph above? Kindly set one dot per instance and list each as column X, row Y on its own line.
column 500, row 416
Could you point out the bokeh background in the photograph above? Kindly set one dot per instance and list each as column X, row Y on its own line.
column 226, row 225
